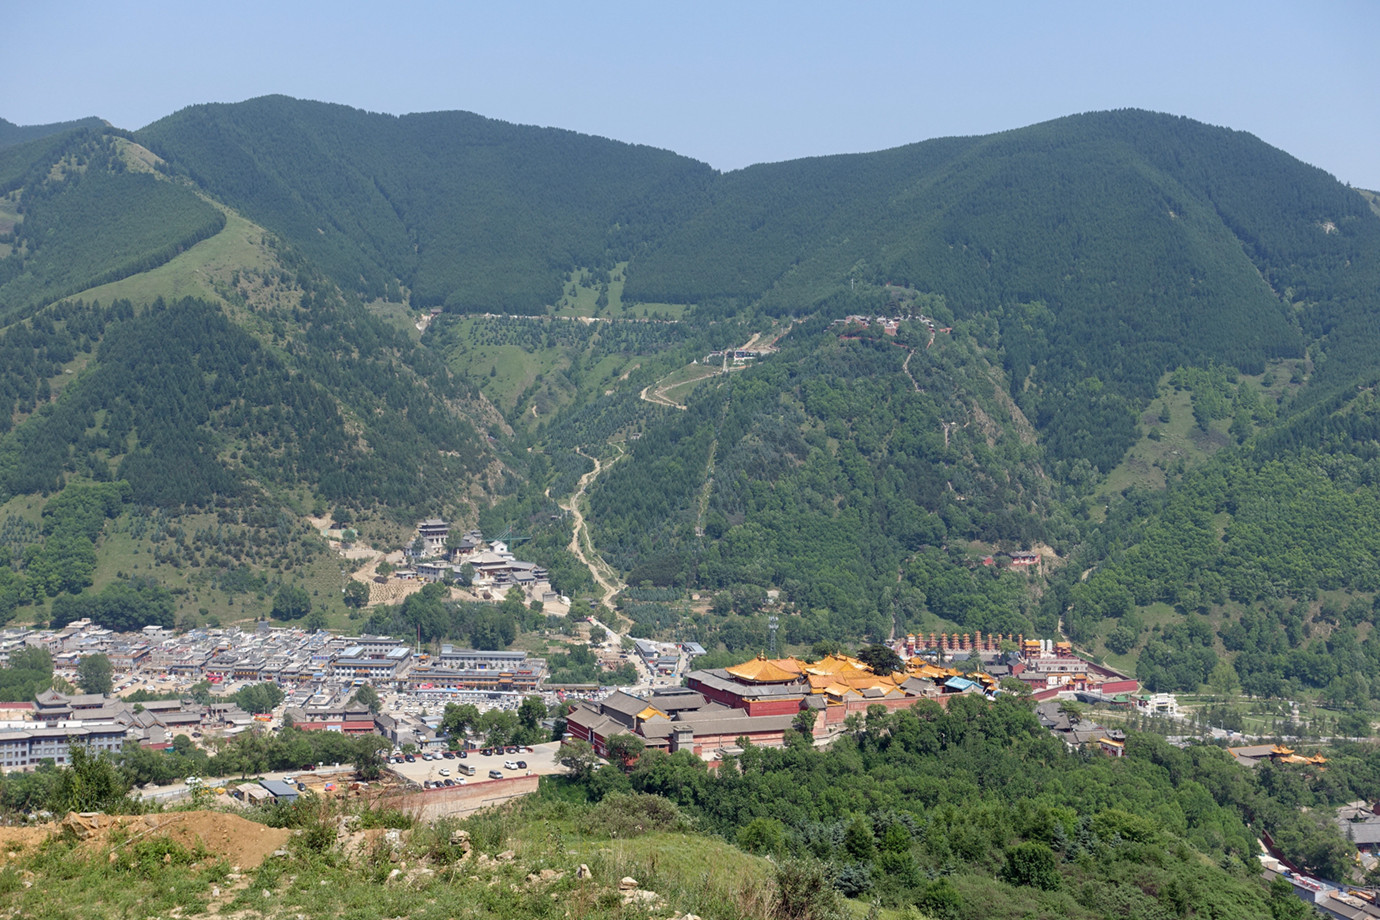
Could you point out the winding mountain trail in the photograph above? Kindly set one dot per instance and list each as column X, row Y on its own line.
column 658, row 396
column 906, row 367
column 604, row 575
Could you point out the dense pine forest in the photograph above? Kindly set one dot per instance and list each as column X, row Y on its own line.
column 1134, row 345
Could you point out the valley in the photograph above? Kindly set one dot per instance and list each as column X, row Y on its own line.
column 1107, row 381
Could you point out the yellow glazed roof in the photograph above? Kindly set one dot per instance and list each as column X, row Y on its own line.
column 760, row 670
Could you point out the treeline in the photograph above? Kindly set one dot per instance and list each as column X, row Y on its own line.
column 976, row 811
column 428, row 617
column 89, row 221
column 580, row 666
column 59, row 789
column 126, row 606
column 176, row 388
column 64, row 562
column 28, row 673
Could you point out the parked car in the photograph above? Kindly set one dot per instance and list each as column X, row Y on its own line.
column 522, row 764
column 495, row 774
column 509, row 765
column 463, row 755
column 445, row 772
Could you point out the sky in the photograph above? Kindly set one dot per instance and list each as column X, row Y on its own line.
column 728, row 83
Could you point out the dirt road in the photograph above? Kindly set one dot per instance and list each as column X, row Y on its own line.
column 603, row 573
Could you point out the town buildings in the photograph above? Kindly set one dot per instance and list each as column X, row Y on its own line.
column 761, row 700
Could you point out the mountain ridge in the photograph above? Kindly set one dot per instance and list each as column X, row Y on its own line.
column 1057, row 292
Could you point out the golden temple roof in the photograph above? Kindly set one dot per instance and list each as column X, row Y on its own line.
column 841, row 665
column 761, row 670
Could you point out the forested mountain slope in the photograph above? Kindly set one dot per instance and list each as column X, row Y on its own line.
column 82, row 213
column 854, row 471
column 1151, row 241
column 475, row 214
column 224, row 417
column 11, row 134
column 1062, row 280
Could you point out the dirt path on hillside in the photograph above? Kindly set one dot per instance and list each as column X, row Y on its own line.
column 604, row 575
column 653, row 393
column 906, row 367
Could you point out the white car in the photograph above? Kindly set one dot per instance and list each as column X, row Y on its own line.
column 509, row 765
column 445, row 772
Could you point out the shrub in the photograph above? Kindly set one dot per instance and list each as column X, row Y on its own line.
column 804, row 892
column 632, row 814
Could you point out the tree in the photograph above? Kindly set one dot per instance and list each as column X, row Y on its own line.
column 1071, row 709
column 530, row 713
column 624, row 749
column 90, row 783
column 804, row 891
column 880, row 659
column 201, row 692
column 804, row 723
column 498, row 726
column 457, row 719
column 316, row 621
column 762, row 836
column 367, row 697
column 291, row 603
column 824, row 648
column 356, row 594
column 258, row 698
column 514, row 603
column 1032, row 864
column 95, row 674
column 369, row 751
column 579, row 756
column 1223, row 679
column 1354, row 725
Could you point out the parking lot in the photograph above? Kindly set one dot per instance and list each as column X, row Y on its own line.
column 540, row 762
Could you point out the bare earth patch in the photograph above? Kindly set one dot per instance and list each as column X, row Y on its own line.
column 239, row 841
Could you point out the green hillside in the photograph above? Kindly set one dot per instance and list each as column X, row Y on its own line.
column 226, row 313
column 11, row 134
column 462, row 211
column 83, row 217
column 252, row 395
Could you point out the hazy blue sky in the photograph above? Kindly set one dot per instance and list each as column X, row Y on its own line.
column 728, row 83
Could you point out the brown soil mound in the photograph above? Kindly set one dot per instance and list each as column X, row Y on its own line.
column 15, row 841
column 241, row 842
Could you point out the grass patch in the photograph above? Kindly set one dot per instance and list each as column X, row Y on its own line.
column 204, row 271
